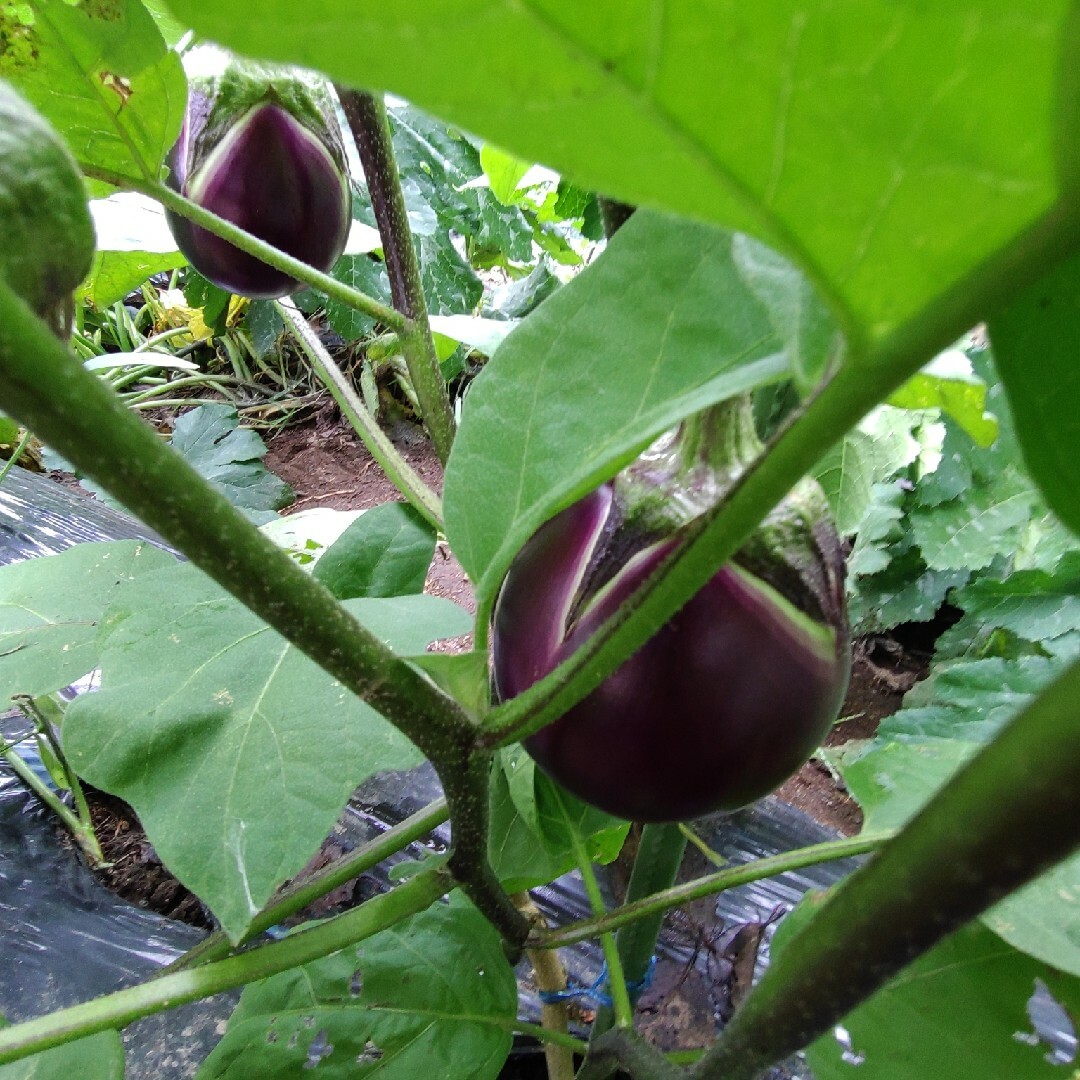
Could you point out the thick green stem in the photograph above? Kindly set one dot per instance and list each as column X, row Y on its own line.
column 404, row 477
column 1023, row 791
column 731, row 878
column 121, row 1008
column 466, row 781
column 371, row 130
column 656, row 865
column 334, row 289
column 50, row 392
column 297, row 897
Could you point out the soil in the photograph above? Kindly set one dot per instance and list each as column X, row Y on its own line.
column 327, row 467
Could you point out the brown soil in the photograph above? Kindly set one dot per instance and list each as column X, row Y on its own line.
column 328, row 467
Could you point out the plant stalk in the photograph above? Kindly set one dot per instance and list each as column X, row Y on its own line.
column 81, row 832
column 730, row 878
column 624, row 1048
column 367, row 118
column 550, row 976
column 400, row 472
column 121, row 1008
column 296, row 897
column 1023, row 790
column 622, row 1009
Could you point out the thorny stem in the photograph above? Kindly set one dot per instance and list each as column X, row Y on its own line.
column 334, row 289
column 296, row 897
column 400, row 472
column 367, row 118
column 708, row 886
column 121, row 1008
column 465, row 774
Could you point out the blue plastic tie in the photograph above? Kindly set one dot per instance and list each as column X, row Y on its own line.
column 595, row 993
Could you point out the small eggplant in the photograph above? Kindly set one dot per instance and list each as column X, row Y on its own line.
column 262, row 148
column 723, row 703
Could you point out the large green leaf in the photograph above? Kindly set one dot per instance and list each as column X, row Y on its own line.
column 236, row 750
column 102, row 74
column 659, row 327
column 961, row 1010
column 432, row 997
column 50, row 609
column 890, row 147
column 1035, row 351
column 97, row 1057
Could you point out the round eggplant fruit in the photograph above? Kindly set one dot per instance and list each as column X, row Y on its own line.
column 261, row 148
column 717, row 709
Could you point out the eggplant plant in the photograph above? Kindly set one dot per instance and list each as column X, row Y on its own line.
column 827, row 198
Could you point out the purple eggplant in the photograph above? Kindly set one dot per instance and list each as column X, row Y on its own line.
column 261, row 147
column 723, row 703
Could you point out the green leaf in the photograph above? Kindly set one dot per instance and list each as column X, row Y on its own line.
column 841, row 134
column 804, row 324
column 433, row 996
column 504, row 172
column 236, row 750
column 114, row 274
column 847, row 474
column 658, row 328
column 1035, row 605
column 1043, row 918
column 50, row 609
column 358, row 272
column 386, row 551
column 960, row 1010
column 949, row 384
column 103, row 75
column 1035, row 352
column 532, row 818
column 904, row 591
column 968, row 534
column 97, row 1057
column 230, row 457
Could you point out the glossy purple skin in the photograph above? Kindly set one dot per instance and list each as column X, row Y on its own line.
column 713, row 712
column 274, row 180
